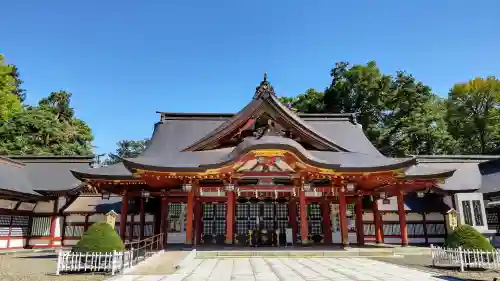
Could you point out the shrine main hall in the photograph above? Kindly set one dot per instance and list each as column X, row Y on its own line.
column 269, row 176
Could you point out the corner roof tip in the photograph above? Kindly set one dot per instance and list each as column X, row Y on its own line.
column 192, row 115
column 8, row 160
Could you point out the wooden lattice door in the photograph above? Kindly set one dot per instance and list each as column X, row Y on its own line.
column 214, row 223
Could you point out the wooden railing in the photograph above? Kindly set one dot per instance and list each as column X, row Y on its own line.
column 465, row 258
column 111, row 262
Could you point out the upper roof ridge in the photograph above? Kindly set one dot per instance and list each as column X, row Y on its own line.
column 264, row 90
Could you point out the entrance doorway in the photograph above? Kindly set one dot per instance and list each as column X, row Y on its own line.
column 351, row 223
column 315, row 223
column 261, row 222
column 176, row 226
column 214, row 223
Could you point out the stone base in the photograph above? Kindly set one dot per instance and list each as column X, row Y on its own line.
column 227, row 241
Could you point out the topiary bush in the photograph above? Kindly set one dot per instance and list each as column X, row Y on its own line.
column 468, row 237
column 99, row 237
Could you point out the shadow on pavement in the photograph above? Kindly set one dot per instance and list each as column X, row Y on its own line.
column 46, row 256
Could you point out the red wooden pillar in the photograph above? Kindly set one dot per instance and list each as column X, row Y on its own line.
column 53, row 222
column 292, row 218
column 131, row 227
column 197, row 221
column 377, row 221
column 63, row 230
column 123, row 215
column 303, row 217
column 164, row 220
column 230, row 217
column 142, row 219
column 10, row 231
column 360, row 231
column 189, row 217
column 343, row 218
column 327, row 222
column 402, row 219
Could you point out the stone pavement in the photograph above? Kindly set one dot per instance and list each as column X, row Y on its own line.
column 290, row 269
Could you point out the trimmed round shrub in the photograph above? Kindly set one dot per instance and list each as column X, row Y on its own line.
column 100, row 237
column 468, row 237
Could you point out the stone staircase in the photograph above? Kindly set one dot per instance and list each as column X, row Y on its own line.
column 296, row 253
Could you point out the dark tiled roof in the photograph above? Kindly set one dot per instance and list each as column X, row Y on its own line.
column 490, row 171
column 115, row 171
column 169, row 137
column 344, row 133
column 92, row 204
column 425, row 171
column 175, row 131
column 13, row 177
column 467, row 176
column 41, row 173
column 490, row 183
column 202, row 160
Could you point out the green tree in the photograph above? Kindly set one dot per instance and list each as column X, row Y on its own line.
column 473, row 115
column 100, row 237
column 468, row 237
column 10, row 102
column 360, row 89
column 412, row 121
column 311, row 101
column 127, row 149
column 399, row 115
column 44, row 130
column 59, row 104
column 18, row 91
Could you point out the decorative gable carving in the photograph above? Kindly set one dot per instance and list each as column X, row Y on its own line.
column 265, row 164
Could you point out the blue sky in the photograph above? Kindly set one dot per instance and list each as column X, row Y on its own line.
column 123, row 60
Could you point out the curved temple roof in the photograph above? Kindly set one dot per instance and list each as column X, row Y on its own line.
column 40, row 175
column 203, row 160
column 188, row 142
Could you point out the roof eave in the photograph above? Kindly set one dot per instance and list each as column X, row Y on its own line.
column 20, row 195
column 440, row 175
column 89, row 176
column 131, row 165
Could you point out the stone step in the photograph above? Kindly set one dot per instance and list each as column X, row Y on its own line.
column 296, row 253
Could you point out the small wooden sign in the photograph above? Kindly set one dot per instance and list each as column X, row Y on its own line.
column 452, row 219
column 111, row 218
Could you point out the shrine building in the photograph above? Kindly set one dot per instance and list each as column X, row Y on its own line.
column 263, row 176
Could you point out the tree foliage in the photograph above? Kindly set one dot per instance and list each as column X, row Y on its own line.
column 468, row 237
column 126, row 149
column 402, row 116
column 50, row 128
column 311, row 101
column 10, row 101
column 360, row 89
column 474, row 113
column 100, row 237
column 411, row 123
